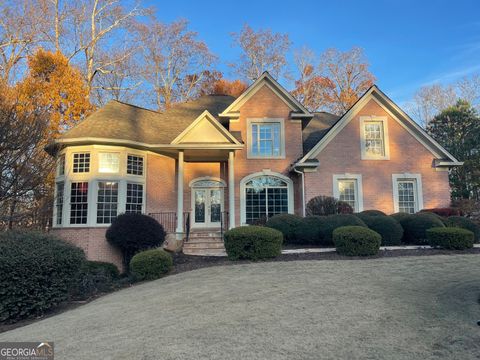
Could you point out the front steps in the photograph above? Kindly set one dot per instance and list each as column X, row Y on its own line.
column 204, row 242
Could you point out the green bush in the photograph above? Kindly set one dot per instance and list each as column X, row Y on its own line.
column 401, row 216
column 356, row 241
column 373, row 213
column 288, row 225
column 310, row 230
column 332, row 222
column 253, row 242
column 95, row 277
column 434, row 215
column 151, row 264
column 327, row 205
column 415, row 228
column 389, row 229
column 38, row 272
column 465, row 223
column 450, row 238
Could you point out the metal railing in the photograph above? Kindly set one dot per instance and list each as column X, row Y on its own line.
column 168, row 219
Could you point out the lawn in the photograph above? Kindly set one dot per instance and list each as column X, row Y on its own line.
column 398, row 308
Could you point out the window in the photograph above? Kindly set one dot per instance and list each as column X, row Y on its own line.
column 374, row 138
column 107, row 201
column 265, row 196
column 134, row 198
column 134, row 165
column 265, row 139
column 61, row 165
column 79, row 203
column 81, row 163
column 407, row 193
column 109, row 162
column 59, row 203
column 348, row 188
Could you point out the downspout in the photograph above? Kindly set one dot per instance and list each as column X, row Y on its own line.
column 302, row 174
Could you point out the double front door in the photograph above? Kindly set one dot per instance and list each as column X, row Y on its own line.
column 207, row 206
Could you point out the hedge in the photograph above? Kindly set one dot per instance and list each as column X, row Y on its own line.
column 415, row 228
column 333, row 222
column 356, row 241
column 465, row 223
column 95, row 277
column 253, row 242
column 450, row 238
column 389, row 229
column 444, row 212
column 151, row 264
column 38, row 272
column 310, row 230
column 373, row 213
column 288, row 225
column 401, row 216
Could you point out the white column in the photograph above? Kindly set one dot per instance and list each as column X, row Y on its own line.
column 231, row 189
column 180, row 192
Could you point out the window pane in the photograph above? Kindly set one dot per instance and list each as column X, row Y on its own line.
column 347, row 192
column 109, row 162
column 81, row 163
column 61, row 165
column 134, row 198
column 134, row 165
column 374, row 138
column 107, row 201
column 59, row 202
column 407, row 196
column 79, row 203
column 266, row 139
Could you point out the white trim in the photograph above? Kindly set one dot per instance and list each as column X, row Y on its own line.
column 207, row 203
column 265, row 172
column 210, row 178
column 180, row 184
column 231, row 189
column 358, row 188
column 419, row 189
column 386, row 144
column 250, row 122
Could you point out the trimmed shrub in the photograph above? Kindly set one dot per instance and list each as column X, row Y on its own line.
column 327, row 205
column 356, row 241
column 133, row 233
column 389, row 229
column 415, row 228
column 288, row 225
column 38, row 272
column 444, row 212
column 434, row 215
column 332, row 222
column 95, row 277
column 151, row 264
column 310, row 230
column 253, row 243
column 401, row 216
column 465, row 223
column 450, row 238
column 373, row 213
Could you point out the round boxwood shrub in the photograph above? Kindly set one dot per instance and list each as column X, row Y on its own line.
column 450, row 238
column 310, row 230
column 332, row 222
column 150, row 264
column 389, row 229
column 401, row 216
column 327, row 205
column 439, row 217
column 253, row 242
column 288, row 225
column 38, row 272
column 133, row 233
column 373, row 213
column 95, row 277
column 356, row 241
column 415, row 228
column 465, row 223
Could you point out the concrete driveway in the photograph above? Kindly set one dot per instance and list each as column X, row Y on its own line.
column 398, row 308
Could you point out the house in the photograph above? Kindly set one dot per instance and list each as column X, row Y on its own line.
column 219, row 162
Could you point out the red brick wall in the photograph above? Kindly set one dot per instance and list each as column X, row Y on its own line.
column 161, row 184
column 407, row 155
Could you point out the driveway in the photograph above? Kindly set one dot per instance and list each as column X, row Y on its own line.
column 398, row 308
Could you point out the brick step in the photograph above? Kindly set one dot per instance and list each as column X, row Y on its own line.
column 204, row 245
column 205, row 234
column 205, row 252
column 205, row 240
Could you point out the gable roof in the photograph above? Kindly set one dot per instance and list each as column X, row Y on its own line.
column 441, row 154
column 316, row 129
column 298, row 110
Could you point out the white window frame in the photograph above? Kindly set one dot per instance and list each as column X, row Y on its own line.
column 386, row 144
column 143, row 164
column 418, row 187
column 99, row 165
column 72, row 155
column 261, row 121
column 358, row 188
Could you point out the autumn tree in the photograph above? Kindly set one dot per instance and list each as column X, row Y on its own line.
column 233, row 88
column 348, row 76
column 54, row 86
column 176, row 61
column 457, row 129
column 261, row 50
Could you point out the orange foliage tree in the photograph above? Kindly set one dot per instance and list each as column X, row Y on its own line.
column 226, row 87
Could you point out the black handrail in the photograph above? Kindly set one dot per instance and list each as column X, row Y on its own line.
column 187, row 226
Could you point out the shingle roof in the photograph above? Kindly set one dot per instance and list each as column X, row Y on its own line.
column 317, row 128
column 117, row 120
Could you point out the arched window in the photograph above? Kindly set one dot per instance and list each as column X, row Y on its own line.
column 266, row 195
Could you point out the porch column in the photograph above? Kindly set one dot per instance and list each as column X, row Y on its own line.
column 180, row 193
column 231, row 189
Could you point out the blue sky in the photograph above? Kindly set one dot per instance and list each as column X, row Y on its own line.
column 408, row 43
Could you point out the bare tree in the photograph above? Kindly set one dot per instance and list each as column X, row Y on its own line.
column 429, row 101
column 469, row 90
column 262, row 50
column 176, row 62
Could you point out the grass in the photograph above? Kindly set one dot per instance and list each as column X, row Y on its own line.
column 399, row 308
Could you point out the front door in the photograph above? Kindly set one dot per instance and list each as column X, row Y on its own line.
column 207, row 207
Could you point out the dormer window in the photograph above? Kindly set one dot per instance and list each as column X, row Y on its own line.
column 374, row 138
column 266, row 138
